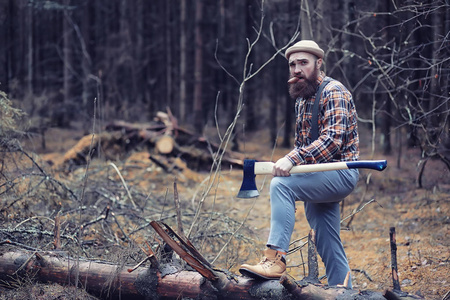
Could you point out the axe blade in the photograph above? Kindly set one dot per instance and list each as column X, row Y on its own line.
column 248, row 187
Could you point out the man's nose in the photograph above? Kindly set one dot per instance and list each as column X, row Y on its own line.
column 297, row 69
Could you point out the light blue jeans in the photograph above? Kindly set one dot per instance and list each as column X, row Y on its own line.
column 321, row 193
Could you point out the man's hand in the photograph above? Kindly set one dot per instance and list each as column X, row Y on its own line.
column 282, row 167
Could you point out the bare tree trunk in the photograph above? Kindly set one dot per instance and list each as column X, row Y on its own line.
column 305, row 16
column 60, row 113
column 5, row 36
column 386, row 127
column 169, row 53
column 386, row 116
column 238, row 11
column 289, row 107
column 137, row 33
column 435, row 119
column 249, row 91
column 30, row 53
column 272, row 93
column 322, row 30
column 86, row 96
column 313, row 25
column 183, row 68
column 198, row 85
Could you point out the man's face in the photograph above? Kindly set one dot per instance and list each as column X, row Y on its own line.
column 305, row 67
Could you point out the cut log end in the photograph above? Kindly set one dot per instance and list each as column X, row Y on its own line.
column 165, row 144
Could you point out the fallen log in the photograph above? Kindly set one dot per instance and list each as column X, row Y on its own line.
column 168, row 280
column 100, row 279
column 160, row 137
column 165, row 144
column 186, row 143
column 109, row 281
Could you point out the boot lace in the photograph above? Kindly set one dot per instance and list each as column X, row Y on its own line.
column 267, row 262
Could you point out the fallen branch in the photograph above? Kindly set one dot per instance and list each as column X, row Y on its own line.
column 364, row 273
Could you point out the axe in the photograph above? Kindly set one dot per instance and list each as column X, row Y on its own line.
column 253, row 168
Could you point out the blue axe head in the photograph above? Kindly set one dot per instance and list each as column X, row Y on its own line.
column 248, row 187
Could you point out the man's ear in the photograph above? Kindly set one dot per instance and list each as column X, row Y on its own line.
column 319, row 63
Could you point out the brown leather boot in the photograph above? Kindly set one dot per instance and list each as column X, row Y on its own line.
column 272, row 266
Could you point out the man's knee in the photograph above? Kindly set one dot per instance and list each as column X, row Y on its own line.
column 277, row 186
column 275, row 182
column 280, row 192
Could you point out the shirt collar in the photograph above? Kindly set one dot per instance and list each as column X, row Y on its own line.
column 320, row 78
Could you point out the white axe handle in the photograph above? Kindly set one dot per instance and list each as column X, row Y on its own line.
column 265, row 168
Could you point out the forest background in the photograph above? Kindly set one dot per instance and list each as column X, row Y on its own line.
column 133, row 58
column 82, row 64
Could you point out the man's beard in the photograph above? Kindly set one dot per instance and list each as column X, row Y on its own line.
column 306, row 88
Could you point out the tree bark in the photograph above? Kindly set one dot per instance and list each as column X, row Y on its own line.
column 63, row 120
column 86, row 63
column 98, row 278
column 30, row 52
column 110, row 281
column 305, row 18
column 183, row 62
column 169, row 54
column 435, row 120
column 198, row 85
column 393, row 243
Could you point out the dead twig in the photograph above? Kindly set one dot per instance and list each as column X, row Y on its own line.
column 38, row 232
column 150, row 256
column 360, row 206
column 138, row 264
column 177, row 208
column 234, row 233
column 124, row 183
column 120, row 228
column 32, row 218
column 23, row 266
column 363, row 272
column 9, row 242
column 57, row 232
column 100, row 218
column 358, row 210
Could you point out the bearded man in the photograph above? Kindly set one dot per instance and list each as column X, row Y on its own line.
column 336, row 140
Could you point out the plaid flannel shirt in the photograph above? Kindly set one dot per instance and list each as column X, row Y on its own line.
column 338, row 131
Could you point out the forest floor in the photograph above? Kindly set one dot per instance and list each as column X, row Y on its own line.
column 421, row 216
